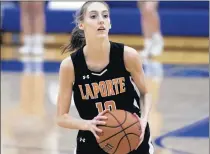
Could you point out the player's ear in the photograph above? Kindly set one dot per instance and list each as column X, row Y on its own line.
column 110, row 26
column 81, row 26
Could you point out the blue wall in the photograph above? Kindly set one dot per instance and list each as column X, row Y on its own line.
column 177, row 19
column 164, row 4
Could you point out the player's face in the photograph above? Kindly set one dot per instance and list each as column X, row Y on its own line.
column 96, row 21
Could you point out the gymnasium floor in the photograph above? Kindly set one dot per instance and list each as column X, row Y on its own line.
column 178, row 80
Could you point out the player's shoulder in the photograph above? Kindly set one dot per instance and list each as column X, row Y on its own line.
column 130, row 53
column 67, row 70
column 132, row 58
column 67, row 64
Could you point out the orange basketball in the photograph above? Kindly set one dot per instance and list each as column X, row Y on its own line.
column 120, row 134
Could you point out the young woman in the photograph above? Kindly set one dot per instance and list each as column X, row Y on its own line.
column 99, row 73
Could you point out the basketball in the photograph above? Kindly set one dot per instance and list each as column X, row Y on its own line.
column 120, row 134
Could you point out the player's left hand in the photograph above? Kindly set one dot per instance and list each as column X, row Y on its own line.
column 143, row 124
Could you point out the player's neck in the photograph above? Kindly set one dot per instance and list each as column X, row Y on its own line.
column 97, row 48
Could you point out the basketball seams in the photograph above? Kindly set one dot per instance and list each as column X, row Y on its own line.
column 122, row 139
column 132, row 134
column 108, row 126
column 118, row 132
column 117, row 122
column 119, row 143
column 123, row 130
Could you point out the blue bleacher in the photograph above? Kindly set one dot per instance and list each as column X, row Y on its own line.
column 181, row 18
column 164, row 4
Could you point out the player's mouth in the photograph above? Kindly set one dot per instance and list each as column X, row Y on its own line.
column 101, row 29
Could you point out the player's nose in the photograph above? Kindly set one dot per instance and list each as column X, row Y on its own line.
column 101, row 20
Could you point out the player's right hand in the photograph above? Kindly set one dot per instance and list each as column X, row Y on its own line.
column 98, row 120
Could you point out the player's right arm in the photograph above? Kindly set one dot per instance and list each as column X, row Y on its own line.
column 66, row 80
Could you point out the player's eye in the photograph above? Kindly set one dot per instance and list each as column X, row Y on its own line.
column 93, row 16
column 105, row 15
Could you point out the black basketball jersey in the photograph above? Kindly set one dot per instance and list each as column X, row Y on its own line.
column 111, row 88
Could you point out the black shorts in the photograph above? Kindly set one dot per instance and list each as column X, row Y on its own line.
column 87, row 144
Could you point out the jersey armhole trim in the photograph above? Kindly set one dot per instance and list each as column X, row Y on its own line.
column 123, row 61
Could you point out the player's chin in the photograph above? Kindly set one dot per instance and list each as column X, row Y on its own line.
column 102, row 36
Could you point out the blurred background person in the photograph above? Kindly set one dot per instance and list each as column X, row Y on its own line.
column 150, row 22
column 33, row 27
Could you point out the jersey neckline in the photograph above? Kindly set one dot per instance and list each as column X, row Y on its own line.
column 97, row 72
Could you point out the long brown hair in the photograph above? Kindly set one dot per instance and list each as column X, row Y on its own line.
column 77, row 35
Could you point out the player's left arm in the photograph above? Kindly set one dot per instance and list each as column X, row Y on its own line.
column 134, row 65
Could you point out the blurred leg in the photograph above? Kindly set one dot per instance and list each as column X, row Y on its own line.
column 39, row 27
column 26, row 27
column 150, row 18
column 153, row 42
column 25, row 18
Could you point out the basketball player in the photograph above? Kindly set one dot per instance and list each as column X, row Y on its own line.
column 153, row 40
column 99, row 73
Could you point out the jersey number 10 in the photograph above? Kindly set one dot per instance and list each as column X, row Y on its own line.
column 108, row 105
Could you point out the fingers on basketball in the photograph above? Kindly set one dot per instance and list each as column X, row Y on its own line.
column 122, row 133
column 136, row 115
column 100, row 118
column 97, row 122
column 104, row 112
column 95, row 134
